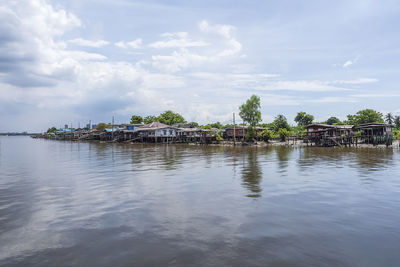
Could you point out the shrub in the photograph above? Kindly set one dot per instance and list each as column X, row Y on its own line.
column 265, row 135
column 283, row 134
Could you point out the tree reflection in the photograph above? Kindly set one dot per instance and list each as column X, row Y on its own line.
column 283, row 154
column 251, row 173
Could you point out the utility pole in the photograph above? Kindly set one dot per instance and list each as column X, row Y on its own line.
column 112, row 129
column 234, row 130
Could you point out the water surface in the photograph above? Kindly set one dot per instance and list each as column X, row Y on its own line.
column 87, row 204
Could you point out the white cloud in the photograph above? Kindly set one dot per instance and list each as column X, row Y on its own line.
column 355, row 81
column 348, row 63
column 83, row 42
column 135, row 44
column 225, row 31
column 301, row 86
column 380, row 95
column 177, row 40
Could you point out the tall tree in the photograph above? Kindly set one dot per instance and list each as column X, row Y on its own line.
column 333, row 120
column 280, row 122
column 389, row 118
column 149, row 119
column 169, row 117
column 303, row 119
column 136, row 119
column 365, row 116
column 250, row 111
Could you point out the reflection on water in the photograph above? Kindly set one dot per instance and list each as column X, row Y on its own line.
column 251, row 173
column 88, row 204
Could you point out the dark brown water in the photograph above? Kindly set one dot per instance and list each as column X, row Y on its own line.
column 84, row 204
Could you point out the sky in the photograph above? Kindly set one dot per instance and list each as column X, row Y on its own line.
column 71, row 61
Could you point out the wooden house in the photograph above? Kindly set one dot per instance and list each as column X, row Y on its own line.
column 157, row 131
column 326, row 130
column 376, row 133
column 240, row 132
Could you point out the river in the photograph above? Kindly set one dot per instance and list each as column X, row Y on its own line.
column 90, row 204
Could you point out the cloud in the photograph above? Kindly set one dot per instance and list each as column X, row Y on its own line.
column 31, row 55
column 225, row 31
column 301, row 86
column 348, row 63
column 135, row 44
column 355, row 81
column 380, row 95
column 83, row 42
column 177, row 40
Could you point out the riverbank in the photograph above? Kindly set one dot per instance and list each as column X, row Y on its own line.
column 299, row 143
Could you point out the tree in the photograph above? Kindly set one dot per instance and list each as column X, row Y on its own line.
column 303, row 119
column 149, row 119
column 280, row 122
column 283, row 133
column 52, row 130
column 397, row 122
column 193, row 124
column 389, row 118
column 136, row 119
column 217, row 125
column 333, row 120
column 365, row 116
column 250, row 113
column 169, row 117
column 101, row 126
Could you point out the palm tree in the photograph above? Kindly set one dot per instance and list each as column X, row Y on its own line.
column 389, row 118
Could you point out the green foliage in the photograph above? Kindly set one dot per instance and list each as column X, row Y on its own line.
column 397, row 122
column 365, row 116
column 265, row 135
column 249, row 136
column 333, row 121
column 169, row 117
column 194, row 124
column 358, row 133
column 396, row 133
column 250, row 111
column 52, row 130
column 227, row 126
column 389, row 118
column 266, row 125
column 217, row 125
column 149, row 119
column 303, row 119
column 283, row 134
column 101, row 126
column 136, row 119
column 280, row 122
column 218, row 136
column 297, row 130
